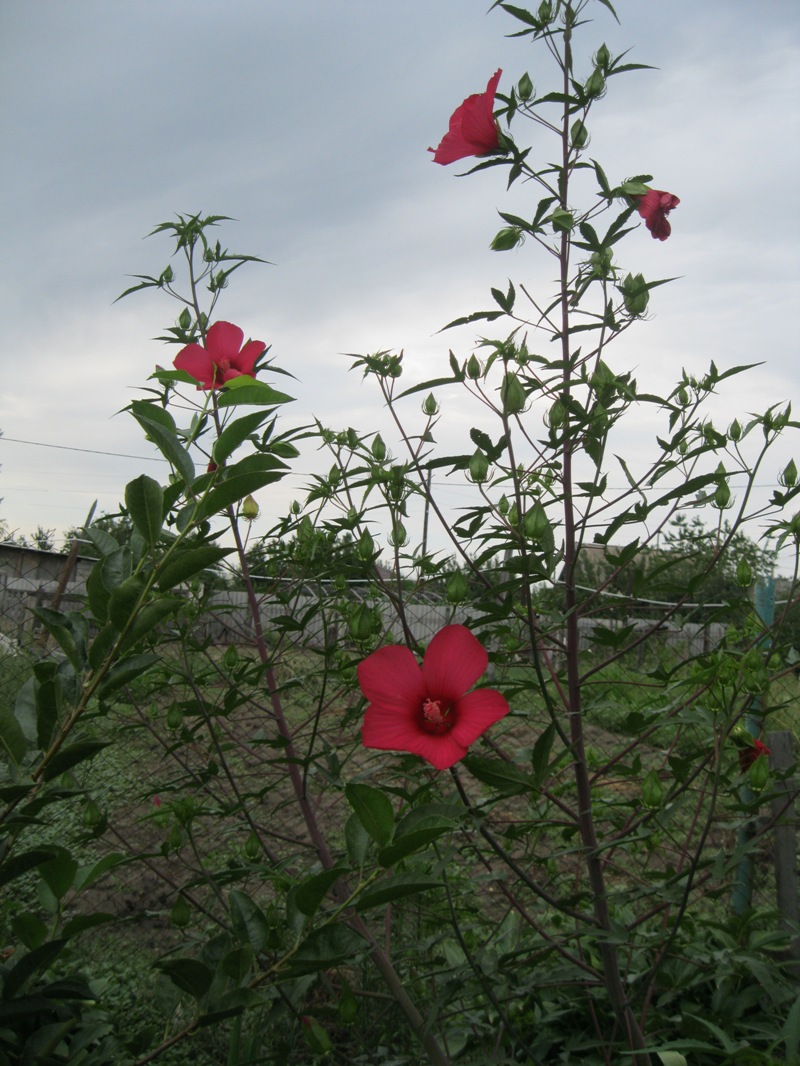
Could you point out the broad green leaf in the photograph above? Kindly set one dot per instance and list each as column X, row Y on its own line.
column 190, row 975
column 124, row 600
column 71, row 630
column 86, row 875
column 12, row 740
column 123, row 672
column 357, row 840
column 25, row 861
column 326, row 947
column 374, row 811
column 236, row 432
column 246, row 477
column 411, row 842
column 497, row 773
column 81, row 922
column 16, row 978
column 144, row 499
column 150, row 616
column 168, row 444
column 59, row 872
column 30, row 929
column 396, row 887
column 71, row 755
column 244, row 390
column 187, row 562
column 311, row 892
column 25, row 709
column 248, row 920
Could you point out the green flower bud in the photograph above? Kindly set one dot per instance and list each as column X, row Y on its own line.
column 512, row 394
column 603, row 57
column 556, row 415
column 181, row 914
column 513, row 516
column 456, row 587
column 175, row 838
column 545, row 12
column 506, row 239
column 185, row 319
column 398, row 537
column 503, row 505
column 652, row 791
column 430, row 407
column 252, row 847
column 759, row 773
column 366, row 546
column 474, row 368
column 595, row 84
column 174, row 717
column 378, row 448
column 478, row 467
column 249, row 509
column 561, row 220
column 683, row 397
column 536, row 525
column 789, row 476
column 794, row 526
column 316, row 1036
column 722, row 496
column 362, row 622
column 634, row 294
column 92, row 815
column 578, row 135
column 735, row 431
column 744, row 574
column 295, row 508
column 525, row 87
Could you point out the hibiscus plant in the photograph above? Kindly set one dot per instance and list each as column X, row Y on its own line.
column 408, row 805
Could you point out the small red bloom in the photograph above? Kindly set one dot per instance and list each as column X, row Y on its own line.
column 654, row 206
column 473, row 130
column 222, row 358
column 748, row 755
column 428, row 710
column 156, row 801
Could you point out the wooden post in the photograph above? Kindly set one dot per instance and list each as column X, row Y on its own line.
column 784, row 811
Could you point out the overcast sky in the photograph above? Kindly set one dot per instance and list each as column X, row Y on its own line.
column 309, row 123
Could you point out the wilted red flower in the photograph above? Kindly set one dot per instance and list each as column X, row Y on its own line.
column 427, row 710
column 654, row 206
column 473, row 130
column 748, row 755
column 222, row 358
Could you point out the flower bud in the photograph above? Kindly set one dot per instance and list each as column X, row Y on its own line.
column 578, row 135
column 456, row 587
column 595, row 84
column 174, row 717
column 92, row 815
column 430, row 407
column 185, row 319
column 744, row 574
column 512, row 394
column 683, row 397
column 545, row 12
column 503, row 505
column 556, row 415
column 759, row 773
column 366, row 546
column 603, row 57
column 398, row 537
column 175, row 839
column 536, row 525
column 652, row 791
column 478, row 467
column 735, row 431
column 722, row 496
column 316, row 1036
column 180, row 915
column 525, row 87
column 249, row 509
column 634, row 294
column 789, row 476
column 474, row 368
column 252, row 847
column 378, row 448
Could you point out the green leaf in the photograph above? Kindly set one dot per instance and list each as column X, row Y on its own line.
column 59, row 873
column 311, row 892
column 166, row 441
column 791, row 1033
column 497, row 773
column 150, row 616
column 88, row 874
column 245, row 390
column 409, row 843
column 16, row 978
column 249, row 922
column 188, row 562
column 144, row 499
column 326, row 947
column 246, row 477
column 395, row 887
column 190, row 975
column 373, row 809
column 12, row 739
column 356, row 839
column 124, row 600
column 124, row 671
column 70, row 756
column 71, row 630
column 236, row 432
column 22, row 863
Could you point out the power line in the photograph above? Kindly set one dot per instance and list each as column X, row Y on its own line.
column 89, row 451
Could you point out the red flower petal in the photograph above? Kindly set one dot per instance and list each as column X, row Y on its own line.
column 454, row 661
column 246, row 359
column 223, row 341
column 392, row 679
column 654, row 206
column 475, row 712
column 197, row 362
column 472, row 130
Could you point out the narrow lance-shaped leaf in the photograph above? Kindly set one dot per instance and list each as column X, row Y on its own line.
column 144, row 499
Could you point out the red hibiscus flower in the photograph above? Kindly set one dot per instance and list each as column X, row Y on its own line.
column 748, row 755
column 473, row 130
column 654, row 206
column 222, row 358
column 427, row 710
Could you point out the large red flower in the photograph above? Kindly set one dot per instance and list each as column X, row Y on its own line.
column 654, row 206
column 428, row 710
column 222, row 358
column 473, row 130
